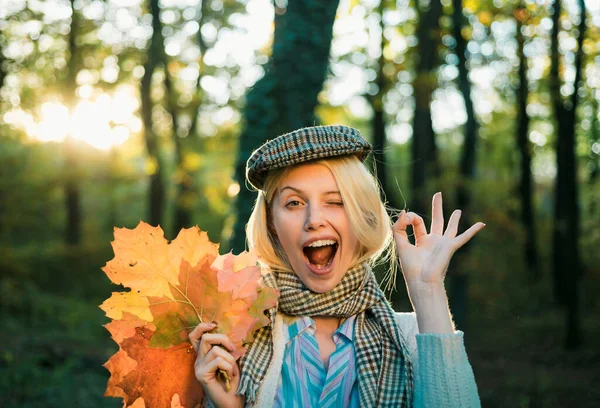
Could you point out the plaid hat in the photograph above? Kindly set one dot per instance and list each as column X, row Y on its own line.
column 302, row 145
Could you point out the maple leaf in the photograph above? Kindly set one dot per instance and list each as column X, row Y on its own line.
column 174, row 286
column 131, row 302
column 267, row 298
column 160, row 373
column 145, row 261
column 240, row 276
column 124, row 328
column 197, row 300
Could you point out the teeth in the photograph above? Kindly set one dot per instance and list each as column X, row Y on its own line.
column 322, row 242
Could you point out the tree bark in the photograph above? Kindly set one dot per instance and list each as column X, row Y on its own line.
column 285, row 98
column 459, row 279
column 184, row 180
column 595, row 159
column 567, row 266
column 2, row 192
column 423, row 148
column 524, row 148
column 378, row 122
column 71, row 188
column 157, row 189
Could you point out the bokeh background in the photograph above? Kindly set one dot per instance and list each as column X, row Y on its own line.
column 116, row 111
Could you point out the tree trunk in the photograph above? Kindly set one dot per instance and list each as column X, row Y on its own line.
column 2, row 192
column 72, row 192
column 184, row 180
column 423, row 148
column 378, row 122
column 595, row 159
column 285, row 98
column 459, row 279
column 157, row 189
column 524, row 148
column 567, row 266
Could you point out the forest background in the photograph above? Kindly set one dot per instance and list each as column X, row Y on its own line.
column 116, row 111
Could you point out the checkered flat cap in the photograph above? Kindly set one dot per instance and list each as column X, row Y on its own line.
column 302, row 145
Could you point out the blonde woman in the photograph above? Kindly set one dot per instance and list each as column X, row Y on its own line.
column 318, row 226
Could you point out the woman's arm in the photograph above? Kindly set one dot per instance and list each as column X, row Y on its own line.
column 424, row 264
column 443, row 376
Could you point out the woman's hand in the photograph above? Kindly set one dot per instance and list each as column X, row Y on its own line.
column 211, row 358
column 424, row 264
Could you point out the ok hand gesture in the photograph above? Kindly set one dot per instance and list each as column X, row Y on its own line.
column 424, row 264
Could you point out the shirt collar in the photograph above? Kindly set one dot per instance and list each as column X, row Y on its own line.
column 305, row 323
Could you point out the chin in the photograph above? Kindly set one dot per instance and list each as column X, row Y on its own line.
column 318, row 284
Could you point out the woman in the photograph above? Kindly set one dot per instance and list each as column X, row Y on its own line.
column 318, row 226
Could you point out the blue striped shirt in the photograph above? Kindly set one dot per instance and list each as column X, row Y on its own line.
column 304, row 381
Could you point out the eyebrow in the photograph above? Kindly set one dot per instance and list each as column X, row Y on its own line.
column 301, row 192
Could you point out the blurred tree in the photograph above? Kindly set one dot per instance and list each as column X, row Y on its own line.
column 566, row 260
column 424, row 151
column 157, row 164
column 468, row 161
column 184, row 179
column 72, row 190
column 524, row 148
column 286, row 97
column 3, row 129
column 595, row 154
column 378, row 123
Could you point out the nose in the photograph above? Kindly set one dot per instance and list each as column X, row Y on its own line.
column 314, row 219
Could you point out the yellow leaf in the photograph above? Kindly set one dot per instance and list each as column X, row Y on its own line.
column 130, row 302
column 141, row 261
column 192, row 244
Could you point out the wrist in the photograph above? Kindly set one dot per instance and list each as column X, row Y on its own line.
column 430, row 303
column 422, row 293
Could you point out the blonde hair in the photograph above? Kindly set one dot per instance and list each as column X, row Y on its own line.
column 367, row 214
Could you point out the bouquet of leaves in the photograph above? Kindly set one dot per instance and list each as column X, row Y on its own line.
column 173, row 286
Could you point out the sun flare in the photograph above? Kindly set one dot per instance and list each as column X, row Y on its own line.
column 104, row 121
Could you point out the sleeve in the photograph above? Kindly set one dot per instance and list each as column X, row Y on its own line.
column 442, row 372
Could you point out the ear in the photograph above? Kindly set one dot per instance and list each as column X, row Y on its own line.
column 270, row 224
column 271, row 228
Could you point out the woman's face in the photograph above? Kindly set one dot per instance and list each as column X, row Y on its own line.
column 312, row 226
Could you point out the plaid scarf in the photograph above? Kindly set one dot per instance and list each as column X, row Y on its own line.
column 385, row 377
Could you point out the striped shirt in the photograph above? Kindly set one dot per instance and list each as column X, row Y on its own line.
column 304, row 381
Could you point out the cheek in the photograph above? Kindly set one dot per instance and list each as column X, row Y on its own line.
column 282, row 228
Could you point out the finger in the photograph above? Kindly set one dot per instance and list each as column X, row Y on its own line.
column 468, row 234
column 197, row 333
column 214, row 365
column 212, row 339
column 218, row 352
column 437, row 214
column 418, row 225
column 401, row 224
column 452, row 228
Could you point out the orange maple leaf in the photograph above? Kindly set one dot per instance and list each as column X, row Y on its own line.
column 160, row 373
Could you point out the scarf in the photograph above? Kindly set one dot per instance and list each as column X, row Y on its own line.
column 384, row 370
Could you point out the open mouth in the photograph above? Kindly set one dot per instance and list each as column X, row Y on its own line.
column 320, row 254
